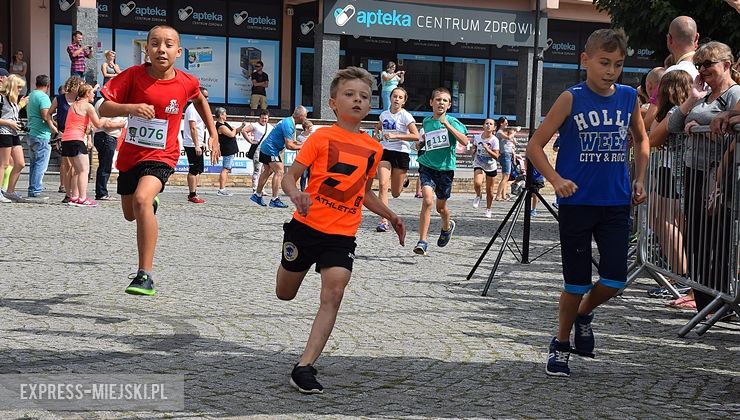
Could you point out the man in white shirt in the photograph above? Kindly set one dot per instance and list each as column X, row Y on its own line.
column 260, row 130
column 682, row 41
column 193, row 136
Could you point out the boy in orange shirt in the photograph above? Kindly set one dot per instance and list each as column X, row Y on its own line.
column 343, row 161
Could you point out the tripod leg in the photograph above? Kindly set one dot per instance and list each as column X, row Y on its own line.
column 516, row 208
column 490, row 243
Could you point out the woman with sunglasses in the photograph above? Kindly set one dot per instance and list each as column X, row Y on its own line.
column 714, row 90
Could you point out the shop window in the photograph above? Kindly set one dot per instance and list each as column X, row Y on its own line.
column 504, row 81
column 304, row 76
column 555, row 79
column 423, row 74
column 467, row 80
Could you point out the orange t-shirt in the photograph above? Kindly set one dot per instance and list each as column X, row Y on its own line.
column 341, row 162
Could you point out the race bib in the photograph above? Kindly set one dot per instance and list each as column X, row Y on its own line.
column 437, row 139
column 146, row 133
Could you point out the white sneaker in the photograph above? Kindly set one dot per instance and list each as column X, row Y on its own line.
column 4, row 200
column 488, row 213
column 476, row 202
column 224, row 193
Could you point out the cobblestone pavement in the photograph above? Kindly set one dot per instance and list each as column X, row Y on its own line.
column 414, row 338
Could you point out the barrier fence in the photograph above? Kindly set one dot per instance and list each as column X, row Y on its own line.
column 689, row 225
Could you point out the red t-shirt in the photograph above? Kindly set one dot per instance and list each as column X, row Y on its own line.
column 341, row 163
column 169, row 97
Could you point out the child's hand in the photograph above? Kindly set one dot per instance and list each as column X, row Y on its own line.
column 400, row 229
column 302, row 201
column 638, row 193
column 564, row 187
column 143, row 111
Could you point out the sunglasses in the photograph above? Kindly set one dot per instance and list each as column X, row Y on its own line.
column 706, row 64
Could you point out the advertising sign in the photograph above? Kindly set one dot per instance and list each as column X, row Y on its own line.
column 130, row 48
column 206, row 17
column 243, row 55
column 204, row 57
column 62, row 38
column 305, row 19
column 141, row 13
column 439, row 23
column 255, row 19
column 64, row 12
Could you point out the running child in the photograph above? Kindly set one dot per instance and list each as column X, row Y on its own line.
column 153, row 96
column 343, row 162
column 437, row 166
column 396, row 130
column 486, row 151
column 592, row 182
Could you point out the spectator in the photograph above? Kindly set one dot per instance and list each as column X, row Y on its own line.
column 41, row 127
column 682, row 41
column 19, row 67
column 506, row 156
column 308, row 129
column 105, row 140
column 229, row 149
column 109, row 69
column 60, row 106
column 77, row 55
column 254, row 133
column 193, row 135
column 11, row 151
column 713, row 91
column 389, row 80
column 3, row 60
column 260, row 82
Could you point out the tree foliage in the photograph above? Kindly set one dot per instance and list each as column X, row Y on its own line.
column 646, row 21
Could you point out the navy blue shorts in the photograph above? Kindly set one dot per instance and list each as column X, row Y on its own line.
column 609, row 226
column 440, row 181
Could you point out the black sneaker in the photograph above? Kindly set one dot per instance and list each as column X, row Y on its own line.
column 155, row 204
column 583, row 338
column 406, row 182
column 303, row 378
column 142, row 284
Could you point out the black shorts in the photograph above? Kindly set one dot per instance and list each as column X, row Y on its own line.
column 7, row 140
column 666, row 184
column 609, row 226
column 398, row 160
column 303, row 246
column 195, row 162
column 73, row 148
column 267, row 159
column 490, row 174
column 129, row 180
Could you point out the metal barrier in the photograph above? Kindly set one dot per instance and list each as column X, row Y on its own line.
column 689, row 224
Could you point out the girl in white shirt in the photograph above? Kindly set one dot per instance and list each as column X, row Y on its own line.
column 486, row 152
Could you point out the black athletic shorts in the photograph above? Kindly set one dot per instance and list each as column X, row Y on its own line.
column 73, row 148
column 398, row 160
column 129, row 180
column 7, row 140
column 490, row 174
column 267, row 159
column 303, row 246
column 195, row 162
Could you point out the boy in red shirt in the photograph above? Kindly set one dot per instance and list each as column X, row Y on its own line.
column 153, row 97
column 343, row 161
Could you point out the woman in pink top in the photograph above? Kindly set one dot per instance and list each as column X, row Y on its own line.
column 74, row 148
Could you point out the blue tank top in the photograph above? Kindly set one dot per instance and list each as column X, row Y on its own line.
column 62, row 109
column 593, row 146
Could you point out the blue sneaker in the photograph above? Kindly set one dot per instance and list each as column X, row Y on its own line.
column 421, row 248
column 258, row 199
column 275, row 202
column 533, row 212
column 382, row 227
column 584, row 335
column 557, row 358
column 445, row 235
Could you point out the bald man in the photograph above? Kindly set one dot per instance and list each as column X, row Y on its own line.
column 682, row 41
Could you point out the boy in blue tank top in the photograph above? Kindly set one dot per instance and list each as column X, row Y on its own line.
column 590, row 177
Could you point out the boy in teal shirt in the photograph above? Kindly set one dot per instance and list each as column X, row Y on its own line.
column 440, row 134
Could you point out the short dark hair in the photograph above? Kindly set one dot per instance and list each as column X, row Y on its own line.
column 264, row 112
column 439, row 90
column 149, row 34
column 260, row 63
column 608, row 40
column 75, row 33
column 42, row 80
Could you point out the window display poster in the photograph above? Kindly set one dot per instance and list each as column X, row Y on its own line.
column 130, row 48
column 62, row 38
column 243, row 54
column 204, row 57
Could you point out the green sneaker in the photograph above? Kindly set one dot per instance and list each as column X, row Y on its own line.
column 155, row 204
column 141, row 284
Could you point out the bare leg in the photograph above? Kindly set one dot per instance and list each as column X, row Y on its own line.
column 425, row 215
column 444, row 213
column 277, row 177
column 489, row 191
column 384, row 181
column 266, row 172
column 398, row 176
column 146, row 222
column 19, row 163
